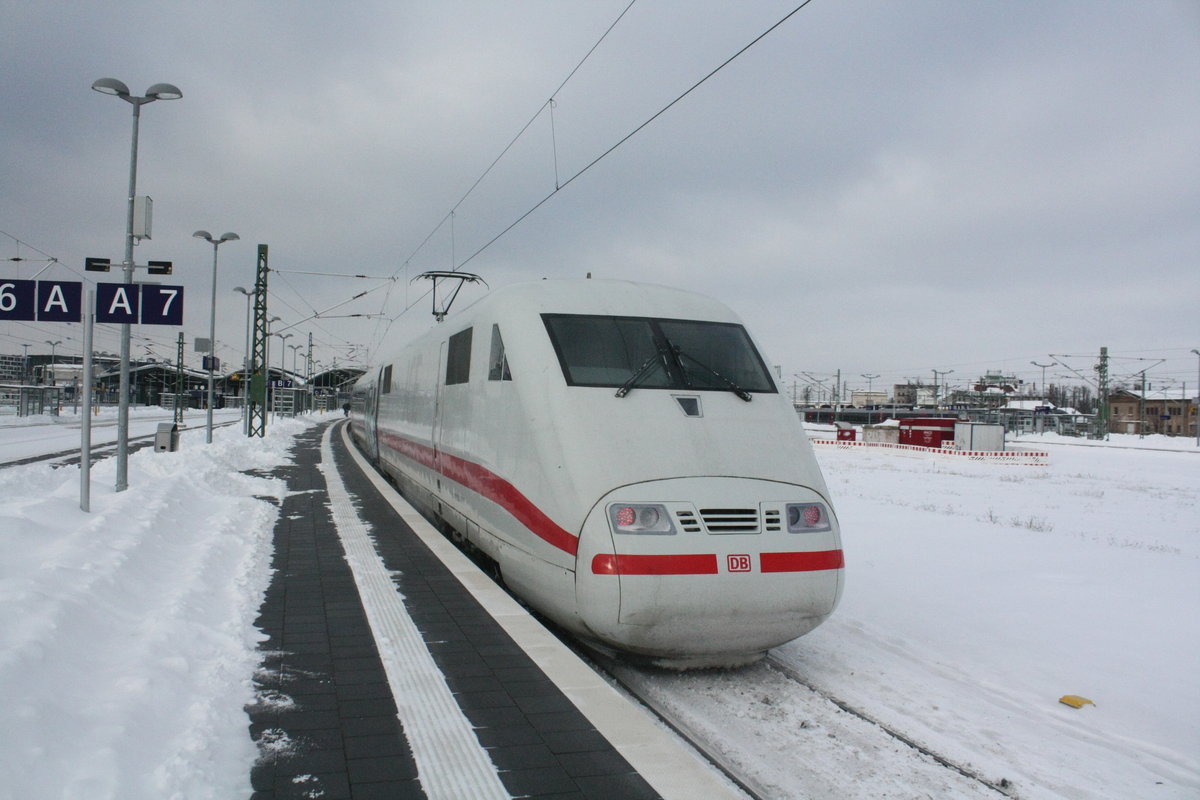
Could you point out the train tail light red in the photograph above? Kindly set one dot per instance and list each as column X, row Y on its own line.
column 807, row 518
column 649, row 518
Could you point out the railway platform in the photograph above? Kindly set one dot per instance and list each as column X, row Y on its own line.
column 394, row 668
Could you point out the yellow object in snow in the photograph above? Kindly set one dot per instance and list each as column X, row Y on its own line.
column 1075, row 701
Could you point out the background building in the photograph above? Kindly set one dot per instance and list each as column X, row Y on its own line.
column 1152, row 412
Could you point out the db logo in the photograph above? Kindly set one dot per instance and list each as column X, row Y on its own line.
column 739, row 563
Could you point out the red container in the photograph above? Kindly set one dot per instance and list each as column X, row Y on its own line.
column 927, row 431
column 846, row 434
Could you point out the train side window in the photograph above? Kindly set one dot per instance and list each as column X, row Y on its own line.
column 385, row 380
column 458, row 358
column 498, row 361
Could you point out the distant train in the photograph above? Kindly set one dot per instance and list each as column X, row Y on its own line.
column 624, row 455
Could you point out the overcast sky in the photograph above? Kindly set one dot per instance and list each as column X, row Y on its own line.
column 878, row 187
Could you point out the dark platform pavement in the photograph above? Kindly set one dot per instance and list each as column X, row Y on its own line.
column 325, row 720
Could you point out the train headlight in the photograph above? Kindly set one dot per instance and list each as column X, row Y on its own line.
column 640, row 518
column 807, row 518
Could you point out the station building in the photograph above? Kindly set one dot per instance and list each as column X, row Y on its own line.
column 1151, row 412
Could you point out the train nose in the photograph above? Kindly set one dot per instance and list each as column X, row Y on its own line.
column 745, row 566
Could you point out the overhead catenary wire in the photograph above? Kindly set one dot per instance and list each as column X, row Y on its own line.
column 328, row 338
column 559, row 187
column 634, row 132
column 548, row 103
column 332, row 274
column 409, row 302
column 306, row 312
column 49, row 260
column 318, row 314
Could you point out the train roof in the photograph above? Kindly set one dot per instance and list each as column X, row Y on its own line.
column 601, row 296
column 577, row 296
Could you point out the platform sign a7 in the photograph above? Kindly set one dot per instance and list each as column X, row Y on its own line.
column 162, row 305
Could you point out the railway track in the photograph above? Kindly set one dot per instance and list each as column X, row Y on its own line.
column 71, row 457
column 618, row 672
column 840, row 750
column 842, row 732
column 1002, row 786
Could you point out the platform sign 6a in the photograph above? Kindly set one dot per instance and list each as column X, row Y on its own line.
column 134, row 303
column 41, row 301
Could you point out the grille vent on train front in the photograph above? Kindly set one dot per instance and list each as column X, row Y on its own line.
column 730, row 520
column 688, row 521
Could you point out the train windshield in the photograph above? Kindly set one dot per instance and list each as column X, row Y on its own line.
column 647, row 353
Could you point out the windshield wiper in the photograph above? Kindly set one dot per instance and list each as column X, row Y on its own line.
column 733, row 387
column 642, row 372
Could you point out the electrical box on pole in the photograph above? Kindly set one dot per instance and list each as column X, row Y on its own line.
column 257, row 412
column 143, row 213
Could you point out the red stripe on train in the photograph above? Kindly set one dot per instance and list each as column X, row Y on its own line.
column 706, row 563
column 687, row 564
column 802, row 562
column 488, row 484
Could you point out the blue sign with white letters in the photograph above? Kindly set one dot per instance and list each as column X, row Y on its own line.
column 62, row 301
column 162, row 305
column 59, row 301
column 18, row 300
column 117, row 302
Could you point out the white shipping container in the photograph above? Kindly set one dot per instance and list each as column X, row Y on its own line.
column 985, row 437
column 888, row 434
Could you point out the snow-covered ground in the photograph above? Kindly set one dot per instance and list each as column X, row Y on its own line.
column 127, row 644
column 24, row 437
column 977, row 595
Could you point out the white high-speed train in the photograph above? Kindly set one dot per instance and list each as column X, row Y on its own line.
column 624, row 455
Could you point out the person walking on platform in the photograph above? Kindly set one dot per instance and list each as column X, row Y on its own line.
column 345, row 409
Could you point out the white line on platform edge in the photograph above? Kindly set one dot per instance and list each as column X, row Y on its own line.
column 672, row 768
column 451, row 764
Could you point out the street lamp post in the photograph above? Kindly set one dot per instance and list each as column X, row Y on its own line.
column 159, row 91
column 53, row 345
column 246, row 364
column 212, row 320
column 1043, row 366
column 936, row 373
column 283, row 337
column 267, row 357
column 870, row 395
column 296, row 348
